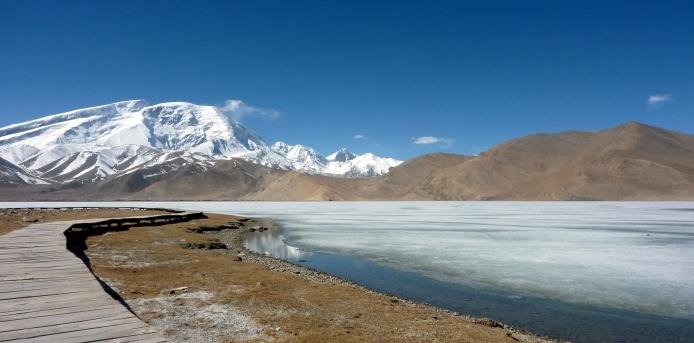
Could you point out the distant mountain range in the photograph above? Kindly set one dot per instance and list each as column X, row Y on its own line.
column 93, row 144
column 179, row 151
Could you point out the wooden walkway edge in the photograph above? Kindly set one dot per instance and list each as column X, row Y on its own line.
column 48, row 294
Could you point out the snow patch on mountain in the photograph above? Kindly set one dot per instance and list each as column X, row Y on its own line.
column 15, row 175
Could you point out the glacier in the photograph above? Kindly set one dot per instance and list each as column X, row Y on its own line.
column 115, row 139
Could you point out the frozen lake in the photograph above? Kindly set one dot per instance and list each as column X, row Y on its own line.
column 629, row 256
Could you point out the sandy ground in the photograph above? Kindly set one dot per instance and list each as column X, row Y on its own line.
column 194, row 282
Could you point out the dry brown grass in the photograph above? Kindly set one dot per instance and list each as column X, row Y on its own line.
column 302, row 309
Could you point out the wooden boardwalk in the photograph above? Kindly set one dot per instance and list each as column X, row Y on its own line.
column 48, row 294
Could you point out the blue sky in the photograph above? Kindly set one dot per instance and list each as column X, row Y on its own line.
column 459, row 76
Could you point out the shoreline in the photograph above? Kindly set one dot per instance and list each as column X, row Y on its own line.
column 566, row 320
column 235, row 241
column 201, row 239
column 120, row 260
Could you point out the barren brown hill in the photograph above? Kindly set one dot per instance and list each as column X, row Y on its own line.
column 629, row 162
column 401, row 182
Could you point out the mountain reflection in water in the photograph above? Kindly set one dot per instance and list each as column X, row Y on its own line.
column 271, row 242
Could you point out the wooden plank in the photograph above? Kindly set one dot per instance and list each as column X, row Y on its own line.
column 48, row 271
column 57, row 254
column 76, row 308
column 54, row 310
column 47, row 286
column 112, row 334
column 37, row 294
column 45, row 304
column 140, row 338
column 42, row 277
column 113, row 327
column 61, row 319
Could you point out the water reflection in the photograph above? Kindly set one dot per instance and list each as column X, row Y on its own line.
column 271, row 242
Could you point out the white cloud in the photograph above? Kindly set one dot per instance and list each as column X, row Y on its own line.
column 657, row 99
column 425, row 140
column 237, row 109
column 358, row 136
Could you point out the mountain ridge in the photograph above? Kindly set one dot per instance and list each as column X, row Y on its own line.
column 632, row 161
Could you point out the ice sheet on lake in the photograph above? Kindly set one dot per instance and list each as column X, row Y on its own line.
column 630, row 255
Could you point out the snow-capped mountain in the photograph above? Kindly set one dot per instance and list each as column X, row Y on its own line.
column 342, row 155
column 361, row 165
column 115, row 139
column 342, row 162
column 300, row 157
column 345, row 162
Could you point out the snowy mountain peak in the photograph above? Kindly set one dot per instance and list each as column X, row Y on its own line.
column 204, row 129
column 342, row 155
column 97, row 142
column 280, row 147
